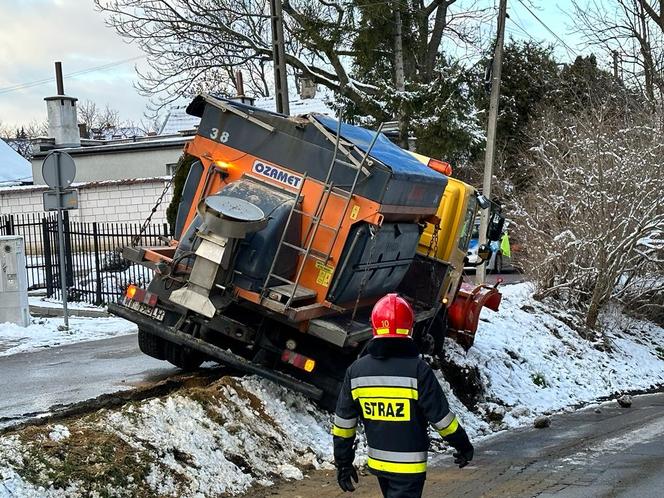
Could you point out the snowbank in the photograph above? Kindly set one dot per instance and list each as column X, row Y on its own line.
column 205, row 441
column 45, row 333
column 233, row 434
column 532, row 362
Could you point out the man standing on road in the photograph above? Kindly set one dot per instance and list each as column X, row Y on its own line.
column 396, row 394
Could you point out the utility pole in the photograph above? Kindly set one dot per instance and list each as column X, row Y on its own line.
column 279, row 58
column 615, row 65
column 399, row 75
column 491, row 130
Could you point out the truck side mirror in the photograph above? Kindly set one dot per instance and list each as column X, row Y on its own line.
column 483, row 201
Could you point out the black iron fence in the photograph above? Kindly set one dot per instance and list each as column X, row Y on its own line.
column 95, row 271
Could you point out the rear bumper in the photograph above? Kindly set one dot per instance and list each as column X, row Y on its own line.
column 170, row 334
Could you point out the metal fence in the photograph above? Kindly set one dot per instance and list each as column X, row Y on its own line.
column 95, row 271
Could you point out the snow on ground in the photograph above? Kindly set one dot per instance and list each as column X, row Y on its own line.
column 46, row 333
column 215, row 440
column 241, row 432
column 46, row 302
column 532, row 363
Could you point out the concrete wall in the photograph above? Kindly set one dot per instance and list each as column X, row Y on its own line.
column 127, row 201
column 108, row 163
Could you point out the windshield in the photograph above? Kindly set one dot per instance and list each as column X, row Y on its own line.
column 468, row 224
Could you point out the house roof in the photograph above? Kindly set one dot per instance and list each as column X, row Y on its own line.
column 14, row 168
column 178, row 120
column 143, row 143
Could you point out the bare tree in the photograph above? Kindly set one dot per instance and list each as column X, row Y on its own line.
column 20, row 137
column 194, row 45
column 595, row 208
column 99, row 120
column 634, row 31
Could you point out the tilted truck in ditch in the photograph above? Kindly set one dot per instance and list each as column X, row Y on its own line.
column 288, row 231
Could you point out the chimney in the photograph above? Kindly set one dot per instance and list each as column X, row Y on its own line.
column 62, row 119
column 239, row 86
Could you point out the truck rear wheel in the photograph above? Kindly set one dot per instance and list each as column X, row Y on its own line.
column 151, row 345
column 182, row 357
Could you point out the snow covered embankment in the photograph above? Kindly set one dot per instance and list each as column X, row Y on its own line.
column 202, row 441
column 531, row 362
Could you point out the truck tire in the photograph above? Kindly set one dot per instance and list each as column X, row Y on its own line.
column 151, row 345
column 182, row 357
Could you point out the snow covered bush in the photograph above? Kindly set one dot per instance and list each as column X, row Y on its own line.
column 594, row 216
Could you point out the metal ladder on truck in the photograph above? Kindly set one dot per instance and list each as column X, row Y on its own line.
column 290, row 288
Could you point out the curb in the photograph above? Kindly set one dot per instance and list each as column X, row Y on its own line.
column 47, row 311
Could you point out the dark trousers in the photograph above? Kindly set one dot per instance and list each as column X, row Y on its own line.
column 392, row 488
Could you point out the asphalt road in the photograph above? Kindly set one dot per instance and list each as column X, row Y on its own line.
column 615, row 453
column 35, row 381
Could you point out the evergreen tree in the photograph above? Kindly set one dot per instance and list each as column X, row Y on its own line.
column 529, row 82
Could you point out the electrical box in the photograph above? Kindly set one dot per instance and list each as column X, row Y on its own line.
column 13, row 282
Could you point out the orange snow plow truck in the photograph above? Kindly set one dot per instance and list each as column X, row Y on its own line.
column 288, row 231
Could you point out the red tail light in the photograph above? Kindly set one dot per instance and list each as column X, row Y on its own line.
column 298, row 360
column 141, row 295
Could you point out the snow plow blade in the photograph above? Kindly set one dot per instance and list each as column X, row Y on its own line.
column 216, row 353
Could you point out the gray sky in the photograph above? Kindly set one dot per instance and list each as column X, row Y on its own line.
column 35, row 33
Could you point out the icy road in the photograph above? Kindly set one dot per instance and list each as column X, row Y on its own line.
column 615, row 453
column 35, row 381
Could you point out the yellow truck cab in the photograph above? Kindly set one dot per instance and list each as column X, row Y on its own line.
column 462, row 302
column 456, row 212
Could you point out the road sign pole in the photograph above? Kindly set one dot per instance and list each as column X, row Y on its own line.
column 61, row 241
column 59, row 171
column 63, row 267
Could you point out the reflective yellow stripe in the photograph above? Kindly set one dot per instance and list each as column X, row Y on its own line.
column 397, row 468
column 345, row 433
column 382, row 331
column 384, row 392
column 450, row 429
column 403, row 331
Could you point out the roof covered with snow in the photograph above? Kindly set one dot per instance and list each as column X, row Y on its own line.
column 14, row 168
column 177, row 120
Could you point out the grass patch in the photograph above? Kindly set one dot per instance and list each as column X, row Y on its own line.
column 96, row 461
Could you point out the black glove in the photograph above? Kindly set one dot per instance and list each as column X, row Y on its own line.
column 344, row 475
column 461, row 458
column 464, row 449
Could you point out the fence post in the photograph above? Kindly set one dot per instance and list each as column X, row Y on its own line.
column 10, row 225
column 69, row 263
column 95, row 235
column 167, row 232
column 48, row 258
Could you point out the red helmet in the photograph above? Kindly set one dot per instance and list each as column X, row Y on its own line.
column 392, row 316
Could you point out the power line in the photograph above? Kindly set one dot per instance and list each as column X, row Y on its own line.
column 569, row 49
column 80, row 72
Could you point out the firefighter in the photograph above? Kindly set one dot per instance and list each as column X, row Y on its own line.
column 395, row 394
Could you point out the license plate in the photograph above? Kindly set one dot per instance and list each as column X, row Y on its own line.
column 156, row 313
